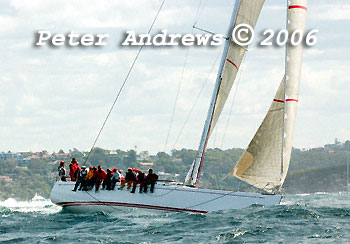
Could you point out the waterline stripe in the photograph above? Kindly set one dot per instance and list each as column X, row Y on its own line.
column 132, row 205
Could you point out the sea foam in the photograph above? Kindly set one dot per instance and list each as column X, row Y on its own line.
column 36, row 204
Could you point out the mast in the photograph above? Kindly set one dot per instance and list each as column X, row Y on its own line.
column 197, row 163
column 284, row 96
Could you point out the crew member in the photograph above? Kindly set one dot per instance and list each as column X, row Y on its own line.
column 117, row 177
column 107, row 183
column 100, row 176
column 140, row 180
column 72, row 168
column 92, row 177
column 151, row 179
column 89, row 175
column 78, row 178
column 62, row 171
column 82, row 178
column 129, row 179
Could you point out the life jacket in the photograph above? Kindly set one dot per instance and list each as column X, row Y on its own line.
column 83, row 174
column 121, row 176
column 141, row 177
column 152, row 177
column 100, row 175
column 117, row 176
column 109, row 175
column 90, row 174
column 130, row 176
column 71, row 172
column 61, row 171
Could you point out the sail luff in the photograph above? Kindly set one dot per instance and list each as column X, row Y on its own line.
column 247, row 12
column 297, row 10
column 193, row 174
column 284, row 97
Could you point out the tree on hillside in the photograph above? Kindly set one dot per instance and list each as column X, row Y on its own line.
column 131, row 156
column 98, row 156
column 39, row 166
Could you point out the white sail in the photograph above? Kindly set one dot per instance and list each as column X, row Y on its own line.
column 248, row 13
column 296, row 21
column 260, row 164
column 264, row 164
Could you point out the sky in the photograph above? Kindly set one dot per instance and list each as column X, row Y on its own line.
column 55, row 98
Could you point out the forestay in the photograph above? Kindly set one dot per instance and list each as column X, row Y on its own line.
column 248, row 13
column 260, row 165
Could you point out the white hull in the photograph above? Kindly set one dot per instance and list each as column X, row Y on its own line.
column 167, row 197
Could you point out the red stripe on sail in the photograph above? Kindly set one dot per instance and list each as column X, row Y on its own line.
column 297, row 6
column 292, row 100
column 232, row 63
column 287, row 100
column 279, row 101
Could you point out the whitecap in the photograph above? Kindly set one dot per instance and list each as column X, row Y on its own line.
column 303, row 194
column 36, row 204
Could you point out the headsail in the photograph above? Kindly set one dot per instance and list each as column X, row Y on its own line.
column 265, row 157
column 260, row 164
column 248, row 12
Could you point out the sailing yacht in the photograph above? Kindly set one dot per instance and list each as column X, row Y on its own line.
column 265, row 162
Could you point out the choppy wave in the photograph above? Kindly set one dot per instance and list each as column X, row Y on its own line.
column 37, row 204
column 302, row 218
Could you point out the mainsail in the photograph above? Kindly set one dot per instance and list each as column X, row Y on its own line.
column 248, row 12
column 265, row 162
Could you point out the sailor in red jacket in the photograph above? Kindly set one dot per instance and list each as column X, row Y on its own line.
column 72, row 168
column 100, row 176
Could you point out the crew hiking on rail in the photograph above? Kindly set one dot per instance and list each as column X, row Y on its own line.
column 86, row 178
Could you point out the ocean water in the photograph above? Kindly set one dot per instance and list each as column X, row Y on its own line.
column 303, row 218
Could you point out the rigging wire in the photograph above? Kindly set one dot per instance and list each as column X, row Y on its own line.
column 214, row 135
column 197, row 15
column 196, row 100
column 200, row 11
column 176, row 98
column 233, row 101
column 125, row 80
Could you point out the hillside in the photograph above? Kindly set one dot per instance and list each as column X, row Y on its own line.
column 314, row 170
column 329, row 179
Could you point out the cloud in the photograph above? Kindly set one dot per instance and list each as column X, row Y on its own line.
column 58, row 98
column 333, row 11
